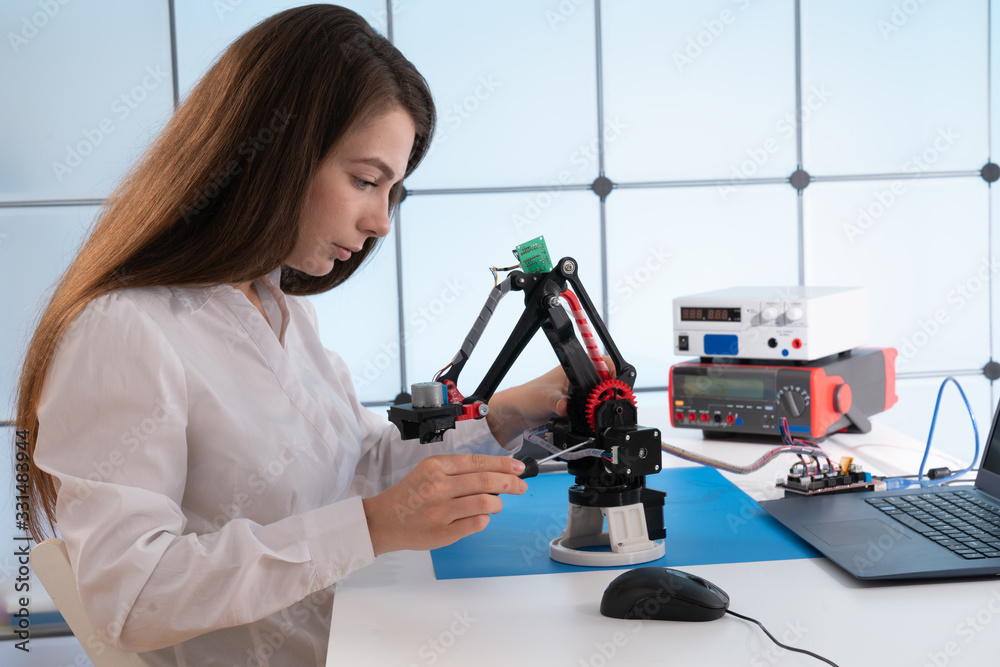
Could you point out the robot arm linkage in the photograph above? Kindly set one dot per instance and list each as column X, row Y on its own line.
column 601, row 410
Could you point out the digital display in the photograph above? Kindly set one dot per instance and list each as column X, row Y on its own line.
column 701, row 386
column 710, row 314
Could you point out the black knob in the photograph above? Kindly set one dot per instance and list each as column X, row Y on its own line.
column 530, row 468
column 793, row 403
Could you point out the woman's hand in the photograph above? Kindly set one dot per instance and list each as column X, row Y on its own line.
column 441, row 501
column 531, row 404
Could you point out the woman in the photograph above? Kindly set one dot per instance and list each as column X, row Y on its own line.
column 206, row 460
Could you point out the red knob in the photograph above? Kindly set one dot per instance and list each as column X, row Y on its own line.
column 704, row 417
column 692, row 416
column 679, row 416
column 730, row 419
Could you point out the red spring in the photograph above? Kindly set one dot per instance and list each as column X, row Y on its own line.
column 589, row 340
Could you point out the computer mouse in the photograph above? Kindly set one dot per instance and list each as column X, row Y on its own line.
column 663, row 594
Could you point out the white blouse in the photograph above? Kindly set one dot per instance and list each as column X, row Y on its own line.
column 210, row 469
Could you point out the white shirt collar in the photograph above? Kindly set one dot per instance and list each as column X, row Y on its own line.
column 196, row 296
column 272, row 285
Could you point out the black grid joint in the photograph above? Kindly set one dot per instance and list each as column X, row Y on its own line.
column 602, row 187
column 800, row 179
column 992, row 371
column 990, row 172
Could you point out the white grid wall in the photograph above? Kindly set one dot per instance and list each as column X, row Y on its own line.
column 689, row 109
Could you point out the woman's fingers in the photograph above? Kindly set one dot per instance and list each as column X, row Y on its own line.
column 443, row 499
column 471, row 484
column 460, row 464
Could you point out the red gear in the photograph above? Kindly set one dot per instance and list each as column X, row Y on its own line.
column 606, row 391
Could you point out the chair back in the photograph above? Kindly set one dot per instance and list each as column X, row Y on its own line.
column 50, row 561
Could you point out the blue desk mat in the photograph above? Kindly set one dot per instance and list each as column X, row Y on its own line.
column 708, row 520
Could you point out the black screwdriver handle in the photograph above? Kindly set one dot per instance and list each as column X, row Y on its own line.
column 530, row 468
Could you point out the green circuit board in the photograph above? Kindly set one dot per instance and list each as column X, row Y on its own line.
column 534, row 256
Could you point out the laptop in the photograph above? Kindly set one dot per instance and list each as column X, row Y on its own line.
column 914, row 533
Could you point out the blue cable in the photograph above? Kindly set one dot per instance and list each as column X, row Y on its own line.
column 900, row 483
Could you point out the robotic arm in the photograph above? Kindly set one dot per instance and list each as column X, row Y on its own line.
column 610, row 473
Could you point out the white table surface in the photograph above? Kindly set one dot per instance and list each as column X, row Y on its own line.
column 396, row 613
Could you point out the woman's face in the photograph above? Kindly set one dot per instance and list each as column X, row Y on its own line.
column 348, row 199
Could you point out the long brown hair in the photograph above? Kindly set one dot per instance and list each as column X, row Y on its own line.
column 218, row 196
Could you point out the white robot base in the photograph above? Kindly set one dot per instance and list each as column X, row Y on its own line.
column 627, row 537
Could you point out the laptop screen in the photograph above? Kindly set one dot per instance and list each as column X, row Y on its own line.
column 988, row 478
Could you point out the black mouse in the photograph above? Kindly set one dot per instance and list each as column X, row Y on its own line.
column 662, row 594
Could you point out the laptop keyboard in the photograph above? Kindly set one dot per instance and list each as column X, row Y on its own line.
column 958, row 521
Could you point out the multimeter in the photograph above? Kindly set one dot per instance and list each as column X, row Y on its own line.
column 832, row 394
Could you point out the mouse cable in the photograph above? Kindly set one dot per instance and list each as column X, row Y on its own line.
column 784, row 646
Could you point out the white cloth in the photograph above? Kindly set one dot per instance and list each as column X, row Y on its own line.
column 210, row 470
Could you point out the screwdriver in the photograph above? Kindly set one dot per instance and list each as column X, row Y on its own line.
column 531, row 465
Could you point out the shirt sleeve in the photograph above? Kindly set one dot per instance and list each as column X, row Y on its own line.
column 144, row 582
column 385, row 457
